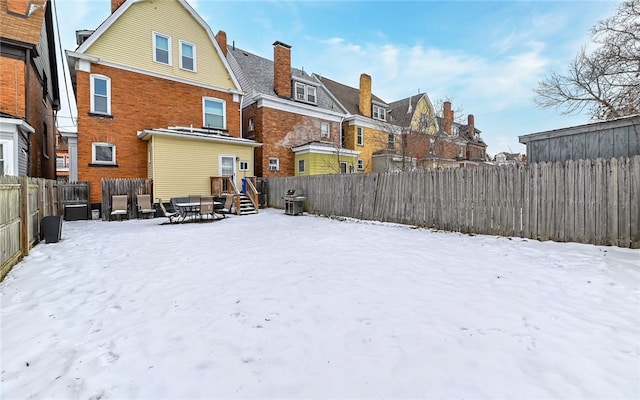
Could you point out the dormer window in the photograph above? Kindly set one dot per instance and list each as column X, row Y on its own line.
column 306, row 93
column 187, row 56
column 379, row 113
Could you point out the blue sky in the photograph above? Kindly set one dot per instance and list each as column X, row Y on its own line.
column 486, row 56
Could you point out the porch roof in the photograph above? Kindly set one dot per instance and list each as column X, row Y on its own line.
column 188, row 133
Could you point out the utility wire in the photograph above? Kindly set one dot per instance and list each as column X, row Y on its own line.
column 63, row 61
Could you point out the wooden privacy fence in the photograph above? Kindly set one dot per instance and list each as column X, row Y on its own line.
column 130, row 187
column 585, row 201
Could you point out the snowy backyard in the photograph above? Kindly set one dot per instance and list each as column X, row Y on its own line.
column 274, row 306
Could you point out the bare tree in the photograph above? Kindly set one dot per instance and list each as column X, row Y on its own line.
column 606, row 81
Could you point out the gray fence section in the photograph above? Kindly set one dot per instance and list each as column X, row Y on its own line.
column 130, row 187
column 585, row 201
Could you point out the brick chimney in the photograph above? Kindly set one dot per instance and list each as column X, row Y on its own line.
column 115, row 4
column 364, row 101
column 282, row 69
column 18, row 6
column 221, row 38
column 472, row 126
column 447, row 117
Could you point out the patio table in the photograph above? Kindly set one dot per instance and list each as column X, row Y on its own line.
column 192, row 209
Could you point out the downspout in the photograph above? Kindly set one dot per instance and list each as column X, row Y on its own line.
column 27, row 114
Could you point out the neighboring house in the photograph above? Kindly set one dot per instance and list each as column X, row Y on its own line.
column 62, row 157
column 166, row 108
column 366, row 128
column 504, row 158
column 29, row 94
column 608, row 139
column 429, row 141
column 289, row 113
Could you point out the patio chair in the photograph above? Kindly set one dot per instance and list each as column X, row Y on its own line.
column 173, row 216
column 225, row 207
column 144, row 205
column 206, row 206
column 119, row 206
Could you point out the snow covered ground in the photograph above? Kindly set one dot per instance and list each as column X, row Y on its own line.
column 274, row 306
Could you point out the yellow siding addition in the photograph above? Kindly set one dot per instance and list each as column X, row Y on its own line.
column 129, row 42
column 184, row 166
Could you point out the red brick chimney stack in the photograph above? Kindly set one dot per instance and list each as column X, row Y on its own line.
column 115, row 4
column 472, row 126
column 282, row 69
column 364, row 100
column 18, row 6
column 447, row 117
column 221, row 38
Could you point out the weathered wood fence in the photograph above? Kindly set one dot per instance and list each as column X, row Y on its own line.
column 24, row 202
column 585, row 201
column 130, row 187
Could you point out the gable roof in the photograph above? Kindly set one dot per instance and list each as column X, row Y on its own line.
column 20, row 28
column 106, row 24
column 400, row 112
column 347, row 96
column 255, row 74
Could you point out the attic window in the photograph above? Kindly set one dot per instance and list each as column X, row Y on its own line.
column 306, row 93
column 161, row 48
column 379, row 113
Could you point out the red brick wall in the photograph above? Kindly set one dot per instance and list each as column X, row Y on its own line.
column 12, row 95
column 279, row 131
column 43, row 161
column 138, row 102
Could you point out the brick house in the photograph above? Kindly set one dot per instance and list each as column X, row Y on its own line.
column 433, row 141
column 167, row 108
column 290, row 113
column 29, row 94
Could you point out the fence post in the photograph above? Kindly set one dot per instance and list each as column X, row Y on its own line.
column 24, row 215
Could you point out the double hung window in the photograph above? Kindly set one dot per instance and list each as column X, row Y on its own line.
column 161, row 48
column 214, row 111
column 100, row 94
column 187, row 56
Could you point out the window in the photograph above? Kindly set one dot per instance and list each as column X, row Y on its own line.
column 424, row 121
column 62, row 162
column 187, row 56
column 45, row 88
column 305, row 92
column 251, row 125
column 360, row 136
column 274, row 164
column 100, row 94
column 379, row 113
column 161, row 48
column 360, row 164
column 214, row 113
column 324, row 129
column 104, row 153
column 343, row 167
column 300, row 165
column 455, row 130
column 343, row 139
column 392, row 141
column 461, row 153
column 45, row 141
column 244, row 165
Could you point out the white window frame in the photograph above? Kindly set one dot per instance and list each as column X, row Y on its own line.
column 360, row 136
column 308, row 92
column 92, row 79
column 344, row 167
column 193, row 48
column 224, row 112
column 274, row 164
column 379, row 112
column 243, row 165
column 325, row 130
column 301, row 166
column 251, row 124
column 102, row 144
column 5, row 156
column 360, row 164
column 155, row 47
column 391, row 141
